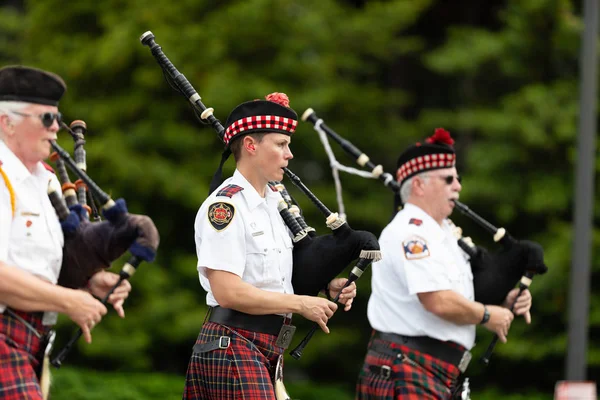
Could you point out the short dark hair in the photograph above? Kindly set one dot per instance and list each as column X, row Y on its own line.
column 236, row 145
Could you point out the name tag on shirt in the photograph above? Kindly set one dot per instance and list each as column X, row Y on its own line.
column 258, row 233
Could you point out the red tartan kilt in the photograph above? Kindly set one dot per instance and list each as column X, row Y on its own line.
column 242, row 371
column 19, row 348
column 431, row 378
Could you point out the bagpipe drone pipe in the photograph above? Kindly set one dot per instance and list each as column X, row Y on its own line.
column 494, row 274
column 91, row 246
column 317, row 259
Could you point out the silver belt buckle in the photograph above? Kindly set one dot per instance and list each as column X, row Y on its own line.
column 224, row 342
column 285, row 336
column 464, row 361
column 385, row 371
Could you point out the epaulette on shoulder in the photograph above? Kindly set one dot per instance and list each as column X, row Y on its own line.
column 272, row 187
column 48, row 167
column 229, row 190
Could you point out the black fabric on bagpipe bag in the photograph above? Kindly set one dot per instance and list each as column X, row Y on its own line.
column 495, row 274
column 319, row 259
column 94, row 246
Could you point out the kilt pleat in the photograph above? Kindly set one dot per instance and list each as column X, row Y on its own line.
column 242, row 371
column 414, row 375
column 19, row 348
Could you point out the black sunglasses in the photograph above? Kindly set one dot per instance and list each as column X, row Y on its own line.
column 47, row 118
column 449, row 179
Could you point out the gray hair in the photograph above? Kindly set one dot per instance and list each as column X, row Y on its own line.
column 10, row 108
column 406, row 188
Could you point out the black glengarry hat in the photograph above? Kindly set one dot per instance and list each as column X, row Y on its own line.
column 31, row 85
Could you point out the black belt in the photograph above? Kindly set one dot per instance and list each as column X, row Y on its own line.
column 270, row 324
column 435, row 348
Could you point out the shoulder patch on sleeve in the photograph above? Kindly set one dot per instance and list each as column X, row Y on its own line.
column 415, row 248
column 229, row 190
column 415, row 221
column 220, row 215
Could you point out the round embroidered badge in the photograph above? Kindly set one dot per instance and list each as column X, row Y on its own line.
column 220, row 215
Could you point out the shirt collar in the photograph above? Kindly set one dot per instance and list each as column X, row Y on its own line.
column 14, row 168
column 253, row 199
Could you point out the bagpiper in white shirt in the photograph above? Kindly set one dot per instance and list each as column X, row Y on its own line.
column 247, row 237
column 419, row 255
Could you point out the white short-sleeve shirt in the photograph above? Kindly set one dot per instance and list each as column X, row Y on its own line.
column 418, row 255
column 32, row 238
column 244, row 234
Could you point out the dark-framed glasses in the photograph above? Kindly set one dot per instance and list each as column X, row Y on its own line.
column 449, row 179
column 47, row 118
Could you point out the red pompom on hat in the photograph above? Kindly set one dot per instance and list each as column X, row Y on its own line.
column 441, row 136
column 279, row 98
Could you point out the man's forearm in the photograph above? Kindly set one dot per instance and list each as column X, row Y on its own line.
column 452, row 307
column 23, row 291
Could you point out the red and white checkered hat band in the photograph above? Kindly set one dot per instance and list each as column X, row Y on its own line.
column 425, row 163
column 265, row 122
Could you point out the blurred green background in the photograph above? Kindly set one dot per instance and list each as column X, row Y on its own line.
column 502, row 76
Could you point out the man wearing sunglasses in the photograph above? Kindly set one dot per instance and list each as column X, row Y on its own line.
column 422, row 307
column 31, row 238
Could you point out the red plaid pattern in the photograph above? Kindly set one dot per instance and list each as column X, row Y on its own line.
column 414, row 375
column 266, row 122
column 19, row 351
column 242, row 371
column 421, row 163
column 230, row 190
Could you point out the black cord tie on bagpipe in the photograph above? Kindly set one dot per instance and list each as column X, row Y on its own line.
column 317, row 259
column 494, row 275
column 74, row 218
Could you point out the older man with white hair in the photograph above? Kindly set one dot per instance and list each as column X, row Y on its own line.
column 31, row 238
column 422, row 307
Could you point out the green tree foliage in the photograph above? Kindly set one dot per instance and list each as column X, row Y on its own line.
column 502, row 77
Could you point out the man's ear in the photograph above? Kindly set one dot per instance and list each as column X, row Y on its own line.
column 5, row 123
column 417, row 185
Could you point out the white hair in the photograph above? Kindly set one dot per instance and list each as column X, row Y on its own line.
column 12, row 107
column 406, row 188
